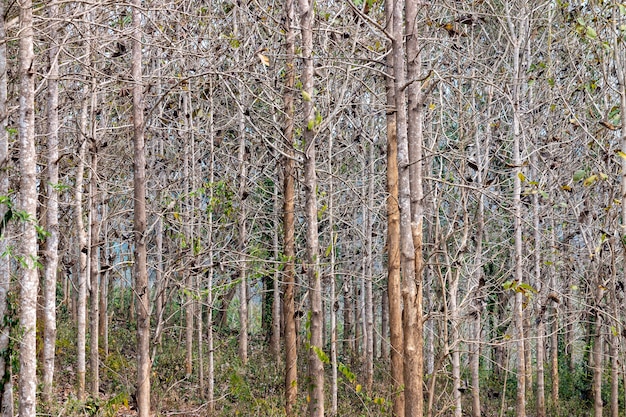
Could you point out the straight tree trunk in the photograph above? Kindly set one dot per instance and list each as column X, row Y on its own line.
column 518, row 34
column 210, row 336
column 316, row 367
column 81, row 305
column 289, row 176
column 369, row 296
column 541, row 326
column 94, row 270
column 333, row 294
column 242, row 239
column 139, row 221
column 394, row 294
column 6, row 387
column 598, row 360
column 275, row 319
column 27, row 275
column 52, row 213
column 103, row 326
column 411, row 209
column 384, row 325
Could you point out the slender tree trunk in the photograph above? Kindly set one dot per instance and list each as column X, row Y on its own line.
column 393, row 232
column 333, row 295
column 210, row 336
column 411, row 210
column 103, row 326
column 289, row 174
column 242, row 239
column 28, row 204
column 518, row 313
column 598, row 360
column 52, row 213
column 139, row 221
column 275, row 319
column 384, row 325
column 6, row 385
column 81, row 308
column 316, row 367
column 94, row 270
column 369, row 296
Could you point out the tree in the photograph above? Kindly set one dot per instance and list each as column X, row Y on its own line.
column 52, row 220
column 28, row 207
column 289, row 313
column 139, row 220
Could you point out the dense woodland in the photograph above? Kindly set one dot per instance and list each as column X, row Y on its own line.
column 333, row 208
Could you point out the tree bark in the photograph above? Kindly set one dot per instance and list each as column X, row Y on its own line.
column 6, row 385
column 52, row 213
column 94, row 269
column 289, row 174
column 139, row 221
column 315, row 365
column 27, row 275
column 394, row 294
column 411, row 209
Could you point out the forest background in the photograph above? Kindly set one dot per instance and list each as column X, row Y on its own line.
column 357, row 207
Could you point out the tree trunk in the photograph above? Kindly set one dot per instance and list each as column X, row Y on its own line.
column 369, row 296
column 52, row 213
column 334, row 304
column 411, row 209
column 316, row 367
column 394, row 294
column 94, row 270
column 6, row 385
column 81, row 307
column 27, row 275
column 242, row 239
column 210, row 341
column 384, row 325
column 275, row 307
column 289, row 176
column 518, row 313
column 598, row 361
column 139, row 221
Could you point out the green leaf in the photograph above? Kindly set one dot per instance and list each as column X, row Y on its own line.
column 305, row 95
column 590, row 32
column 320, row 354
column 579, row 175
column 521, row 176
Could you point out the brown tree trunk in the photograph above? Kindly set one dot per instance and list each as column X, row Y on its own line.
column 393, row 235
column 289, row 174
column 139, row 221
column 316, row 367
column 411, row 210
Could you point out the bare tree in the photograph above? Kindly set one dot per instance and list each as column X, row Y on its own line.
column 289, row 176
column 139, row 220
column 28, row 205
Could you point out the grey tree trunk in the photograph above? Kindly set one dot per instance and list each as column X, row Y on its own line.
column 142, row 292
column 6, row 386
column 27, row 274
column 52, row 213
